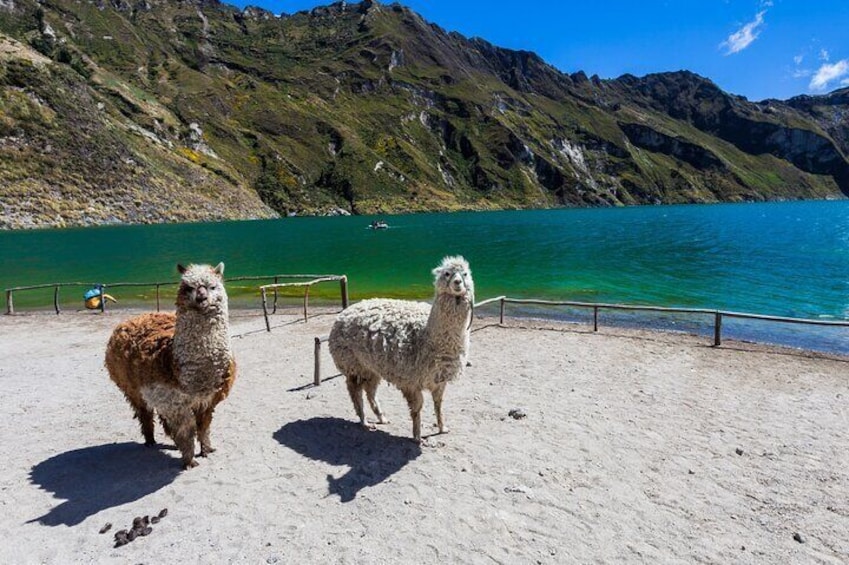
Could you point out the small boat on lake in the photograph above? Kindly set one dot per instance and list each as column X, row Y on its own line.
column 378, row 225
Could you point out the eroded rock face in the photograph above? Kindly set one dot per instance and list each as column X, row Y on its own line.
column 253, row 114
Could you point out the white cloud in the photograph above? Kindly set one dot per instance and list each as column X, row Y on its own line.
column 798, row 59
column 824, row 55
column 844, row 82
column 802, row 73
column 829, row 73
column 744, row 37
column 766, row 4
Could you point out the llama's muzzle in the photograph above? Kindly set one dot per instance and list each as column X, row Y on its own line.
column 457, row 284
column 201, row 294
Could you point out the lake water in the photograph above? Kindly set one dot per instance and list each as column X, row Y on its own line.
column 784, row 259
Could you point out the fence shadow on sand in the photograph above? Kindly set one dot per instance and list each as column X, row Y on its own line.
column 373, row 456
column 95, row 478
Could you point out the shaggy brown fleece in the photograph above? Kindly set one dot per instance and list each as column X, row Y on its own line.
column 178, row 366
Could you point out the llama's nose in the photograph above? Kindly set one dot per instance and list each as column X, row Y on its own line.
column 202, row 294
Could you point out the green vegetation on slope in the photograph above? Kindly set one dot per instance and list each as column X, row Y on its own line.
column 190, row 110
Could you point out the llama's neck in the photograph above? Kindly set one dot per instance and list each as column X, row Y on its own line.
column 448, row 323
column 202, row 348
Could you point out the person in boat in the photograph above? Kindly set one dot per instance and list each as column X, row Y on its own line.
column 94, row 295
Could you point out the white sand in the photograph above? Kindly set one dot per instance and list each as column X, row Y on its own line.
column 627, row 454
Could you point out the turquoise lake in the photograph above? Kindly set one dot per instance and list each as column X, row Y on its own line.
column 783, row 259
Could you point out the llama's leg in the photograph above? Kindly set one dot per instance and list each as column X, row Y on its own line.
column 355, row 389
column 144, row 416
column 415, row 400
column 182, row 424
column 371, row 393
column 166, row 427
column 203, row 418
column 437, row 407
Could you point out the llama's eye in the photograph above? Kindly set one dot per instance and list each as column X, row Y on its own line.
column 447, row 275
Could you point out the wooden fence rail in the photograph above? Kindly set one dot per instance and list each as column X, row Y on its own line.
column 597, row 306
column 343, row 291
column 10, row 304
column 717, row 314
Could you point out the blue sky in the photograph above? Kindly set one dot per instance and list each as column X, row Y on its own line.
column 757, row 48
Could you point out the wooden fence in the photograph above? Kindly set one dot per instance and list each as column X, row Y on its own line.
column 10, row 304
column 343, row 291
column 718, row 315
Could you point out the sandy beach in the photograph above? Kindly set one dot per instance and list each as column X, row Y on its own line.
column 635, row 447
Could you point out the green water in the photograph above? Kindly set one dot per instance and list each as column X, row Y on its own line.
column 788, row 259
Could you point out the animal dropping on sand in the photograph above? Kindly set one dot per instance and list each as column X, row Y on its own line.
column 413, row 345
column 179, row 366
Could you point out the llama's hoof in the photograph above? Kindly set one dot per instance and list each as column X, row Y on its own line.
column 429, row 442
column 189, row 465
column 383, row 420
column 204, row 451
column 150, row 443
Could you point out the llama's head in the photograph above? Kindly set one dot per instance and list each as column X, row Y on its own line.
column 453, row 277
column 202, row 288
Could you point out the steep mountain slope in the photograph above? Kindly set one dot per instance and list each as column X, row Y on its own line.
column 161, row 110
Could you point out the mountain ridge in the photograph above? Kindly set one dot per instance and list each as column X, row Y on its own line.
column 188, row 110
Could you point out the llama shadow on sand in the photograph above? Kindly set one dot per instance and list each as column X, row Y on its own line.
column 373, row 456
column 92, row 479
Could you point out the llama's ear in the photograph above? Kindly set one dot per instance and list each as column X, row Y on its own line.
column 219, row 269
column 181, row 269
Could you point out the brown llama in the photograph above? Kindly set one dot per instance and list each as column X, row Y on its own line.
column 179, row 366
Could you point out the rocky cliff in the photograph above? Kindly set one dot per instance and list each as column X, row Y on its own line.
column 167, row 110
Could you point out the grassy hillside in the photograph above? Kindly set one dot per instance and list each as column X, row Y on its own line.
column 170, row 110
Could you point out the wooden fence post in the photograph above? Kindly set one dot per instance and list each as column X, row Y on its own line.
column 317, row 374
column 274, row 308
column 56, row 298
column 265, row 311
column 10, row 305
column 306, row 302
column 102, row 299
column 343, row 287
column 157, row 297
column 595, row 318
column 717, row 330
column 501, row 313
